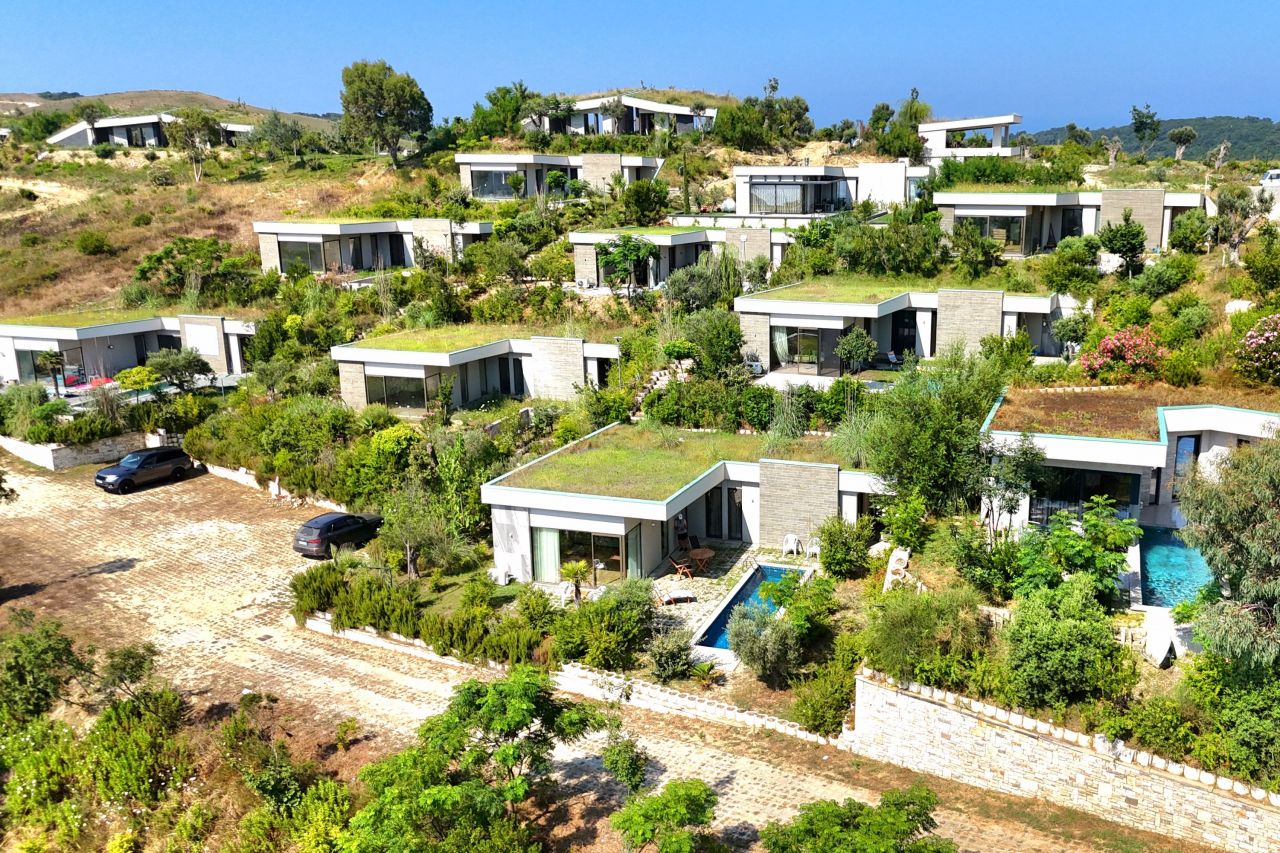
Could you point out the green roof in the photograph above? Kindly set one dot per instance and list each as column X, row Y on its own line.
column 649, row 464
column 871, row 289
column 454, row 338
column 662, row 230
column 103, row 316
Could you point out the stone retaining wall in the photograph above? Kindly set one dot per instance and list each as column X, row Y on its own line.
column 245, row 477
column 59, row 457
column 936, row 732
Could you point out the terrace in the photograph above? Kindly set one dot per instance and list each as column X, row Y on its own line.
column 650, row 464
column 1128, row 413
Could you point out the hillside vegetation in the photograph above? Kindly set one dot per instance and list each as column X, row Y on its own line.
column 1251, row 138
column 151, row 101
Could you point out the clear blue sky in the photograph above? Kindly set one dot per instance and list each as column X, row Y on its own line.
column 1081, row 61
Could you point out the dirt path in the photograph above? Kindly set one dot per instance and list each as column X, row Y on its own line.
column 201, row 569
column 49, row 195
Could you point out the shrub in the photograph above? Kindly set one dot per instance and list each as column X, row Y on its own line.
column 907, row 628
column 372, row 599
column 131, row 754
column 92, row 243
column 680, row 350
column 626, row 761
column 316, row 589
column 822, row 702
column 756, row 406
column 26, row 194
column 535, row 608
column 843, row 551
column 1180, row 369
column 1190, row 232
column 1127, row 354
column 769, row 647
column 610, row 632
column 142, row 219
column 670, row 654
column 30, row 239
column 104, row 150
column 161, row 176
column 1165, row 276
column 1073, row 266
column 905, row 521
column 1258, row 355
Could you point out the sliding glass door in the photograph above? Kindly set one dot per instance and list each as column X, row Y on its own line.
column 797, row 349
column 553, row 548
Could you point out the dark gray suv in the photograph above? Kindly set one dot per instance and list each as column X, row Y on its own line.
column 322, row 536
column 154, row 465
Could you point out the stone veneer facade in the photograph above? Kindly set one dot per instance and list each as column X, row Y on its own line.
column 755, row 337
column 930, row 731
column 795, row 497
column 269, row 250
column 584, row 264
column 759, row 243
column 968, row 316
column 597, row 169
column 216, row 355
column 557, row 367
column 351, row 384
column 1147, row 207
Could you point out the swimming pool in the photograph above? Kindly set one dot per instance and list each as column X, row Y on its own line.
column 717, row 633
column 1172, row 571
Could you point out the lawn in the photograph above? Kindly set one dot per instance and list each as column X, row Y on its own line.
column 1128, row 412
column 654, row 230
column 649, row 464
column 1019, row 188
column 454, row 338
column 79, row 319
column 861, row 288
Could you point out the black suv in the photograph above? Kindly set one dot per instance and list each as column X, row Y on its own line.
column 323, row 535
column 144, row 466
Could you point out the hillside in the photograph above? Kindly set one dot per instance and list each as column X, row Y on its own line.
column 1251, row 138
column 151, row 101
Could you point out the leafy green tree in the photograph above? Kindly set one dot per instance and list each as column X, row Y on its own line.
column 1016, row 472
column 1191, row 232
column 771, row 648
column 905, row 520
column 625, row 760
column 1181, row 137
column 516, row 181
column 51, row 361
column 91, row 112
column 181, row 367
column 278, row 135
column 741, row 126
column 717, row 334
column 575, row 572
column 137, row 379
column 1239, row 212
column 844, row 546
column 194, row 134
column 1146, row 127
column 902, row 823
column 626, row 258
column 902, row 138
column 37, row 663
column 1061, row 648
column 644, row 202
column 411, row 523
column 381, row 106
column 856, row 348
column 1073, row 266
column 207, row 269
column 667, row 820
column 1128, row 239
column 1095, row 547
column 975, row 255
column 1263, row 263
column 1230, row 520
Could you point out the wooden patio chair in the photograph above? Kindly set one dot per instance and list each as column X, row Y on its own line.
column 682, row 568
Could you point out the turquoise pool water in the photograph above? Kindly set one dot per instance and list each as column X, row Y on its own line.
column 717, row 633
column 1172, row 571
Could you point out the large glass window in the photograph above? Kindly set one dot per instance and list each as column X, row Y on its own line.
column 553, row 548
column 1184, row 459
column 1005, row 230
column 777, row 198
column 309, row 253
column 490, row 183
column 1068, row 489
column 27, row 366
column 715, row 513
column 635, row 568
column 796, row 348
column 396, row 392
column 1072, row 221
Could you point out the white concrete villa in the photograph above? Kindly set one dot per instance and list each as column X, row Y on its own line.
column 678, row 246
column 1025, row 220
column 141, row 131
column 349, row 246
column 619, row 497
column 642, row 116
column 790, row 332
column 488, row 176
column 939, row 135
column 100, row 344
column 405, row 370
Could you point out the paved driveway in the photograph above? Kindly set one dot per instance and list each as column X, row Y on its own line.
column 201, row 569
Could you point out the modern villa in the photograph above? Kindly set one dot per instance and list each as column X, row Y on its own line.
column 940, row 138
column 344, row 246
column 144, row 131
column 1133, row 444
column 488, row 176
column 678, row 246
column 642, row 116
column 617, row 497
column 822, row 190
column 790, row 332
column 405, row 370
column 1028, row 220
column 100, row 344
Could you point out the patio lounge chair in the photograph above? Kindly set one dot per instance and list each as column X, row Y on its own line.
column 565, row 591
column 681, row 568
column 596, row 594
column 693, row 540
column 675, row 596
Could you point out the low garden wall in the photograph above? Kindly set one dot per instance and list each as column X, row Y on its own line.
column 59, row 457
column 245, row 477
column 592, row 683
column 936, row 732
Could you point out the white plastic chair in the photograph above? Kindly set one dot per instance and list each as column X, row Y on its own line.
column 790, row 544
column 565, row 591
column 814, row 548
column 596, row 594
column 499, row 576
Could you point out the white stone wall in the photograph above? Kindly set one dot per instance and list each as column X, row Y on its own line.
column 945, row 735
column 58, row 457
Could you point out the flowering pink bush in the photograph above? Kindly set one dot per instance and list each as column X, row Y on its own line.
column 1128, row 353
column 1258, row 355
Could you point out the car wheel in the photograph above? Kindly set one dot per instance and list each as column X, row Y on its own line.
column 125, row 487
column 178, row 474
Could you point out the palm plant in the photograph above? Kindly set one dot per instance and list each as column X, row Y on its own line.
column 575, row 572
column 51, row 361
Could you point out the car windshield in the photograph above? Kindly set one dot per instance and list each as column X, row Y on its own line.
column 133, row 460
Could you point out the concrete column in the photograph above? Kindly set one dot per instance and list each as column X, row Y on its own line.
column 924, row 333
column 233, row 350
column 1167, row 227
column 1009, row 324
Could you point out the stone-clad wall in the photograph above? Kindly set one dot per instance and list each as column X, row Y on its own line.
column 957, row 738
column 557, row 367
column 1147, row 206
column 269, row 250
column 755, row 337
column 795, row 497
column 59, row 457
column 759, row 242
column 584, row 263
column 351, row 384
column 598, row 168
column 948, row 212
column 968, row 316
